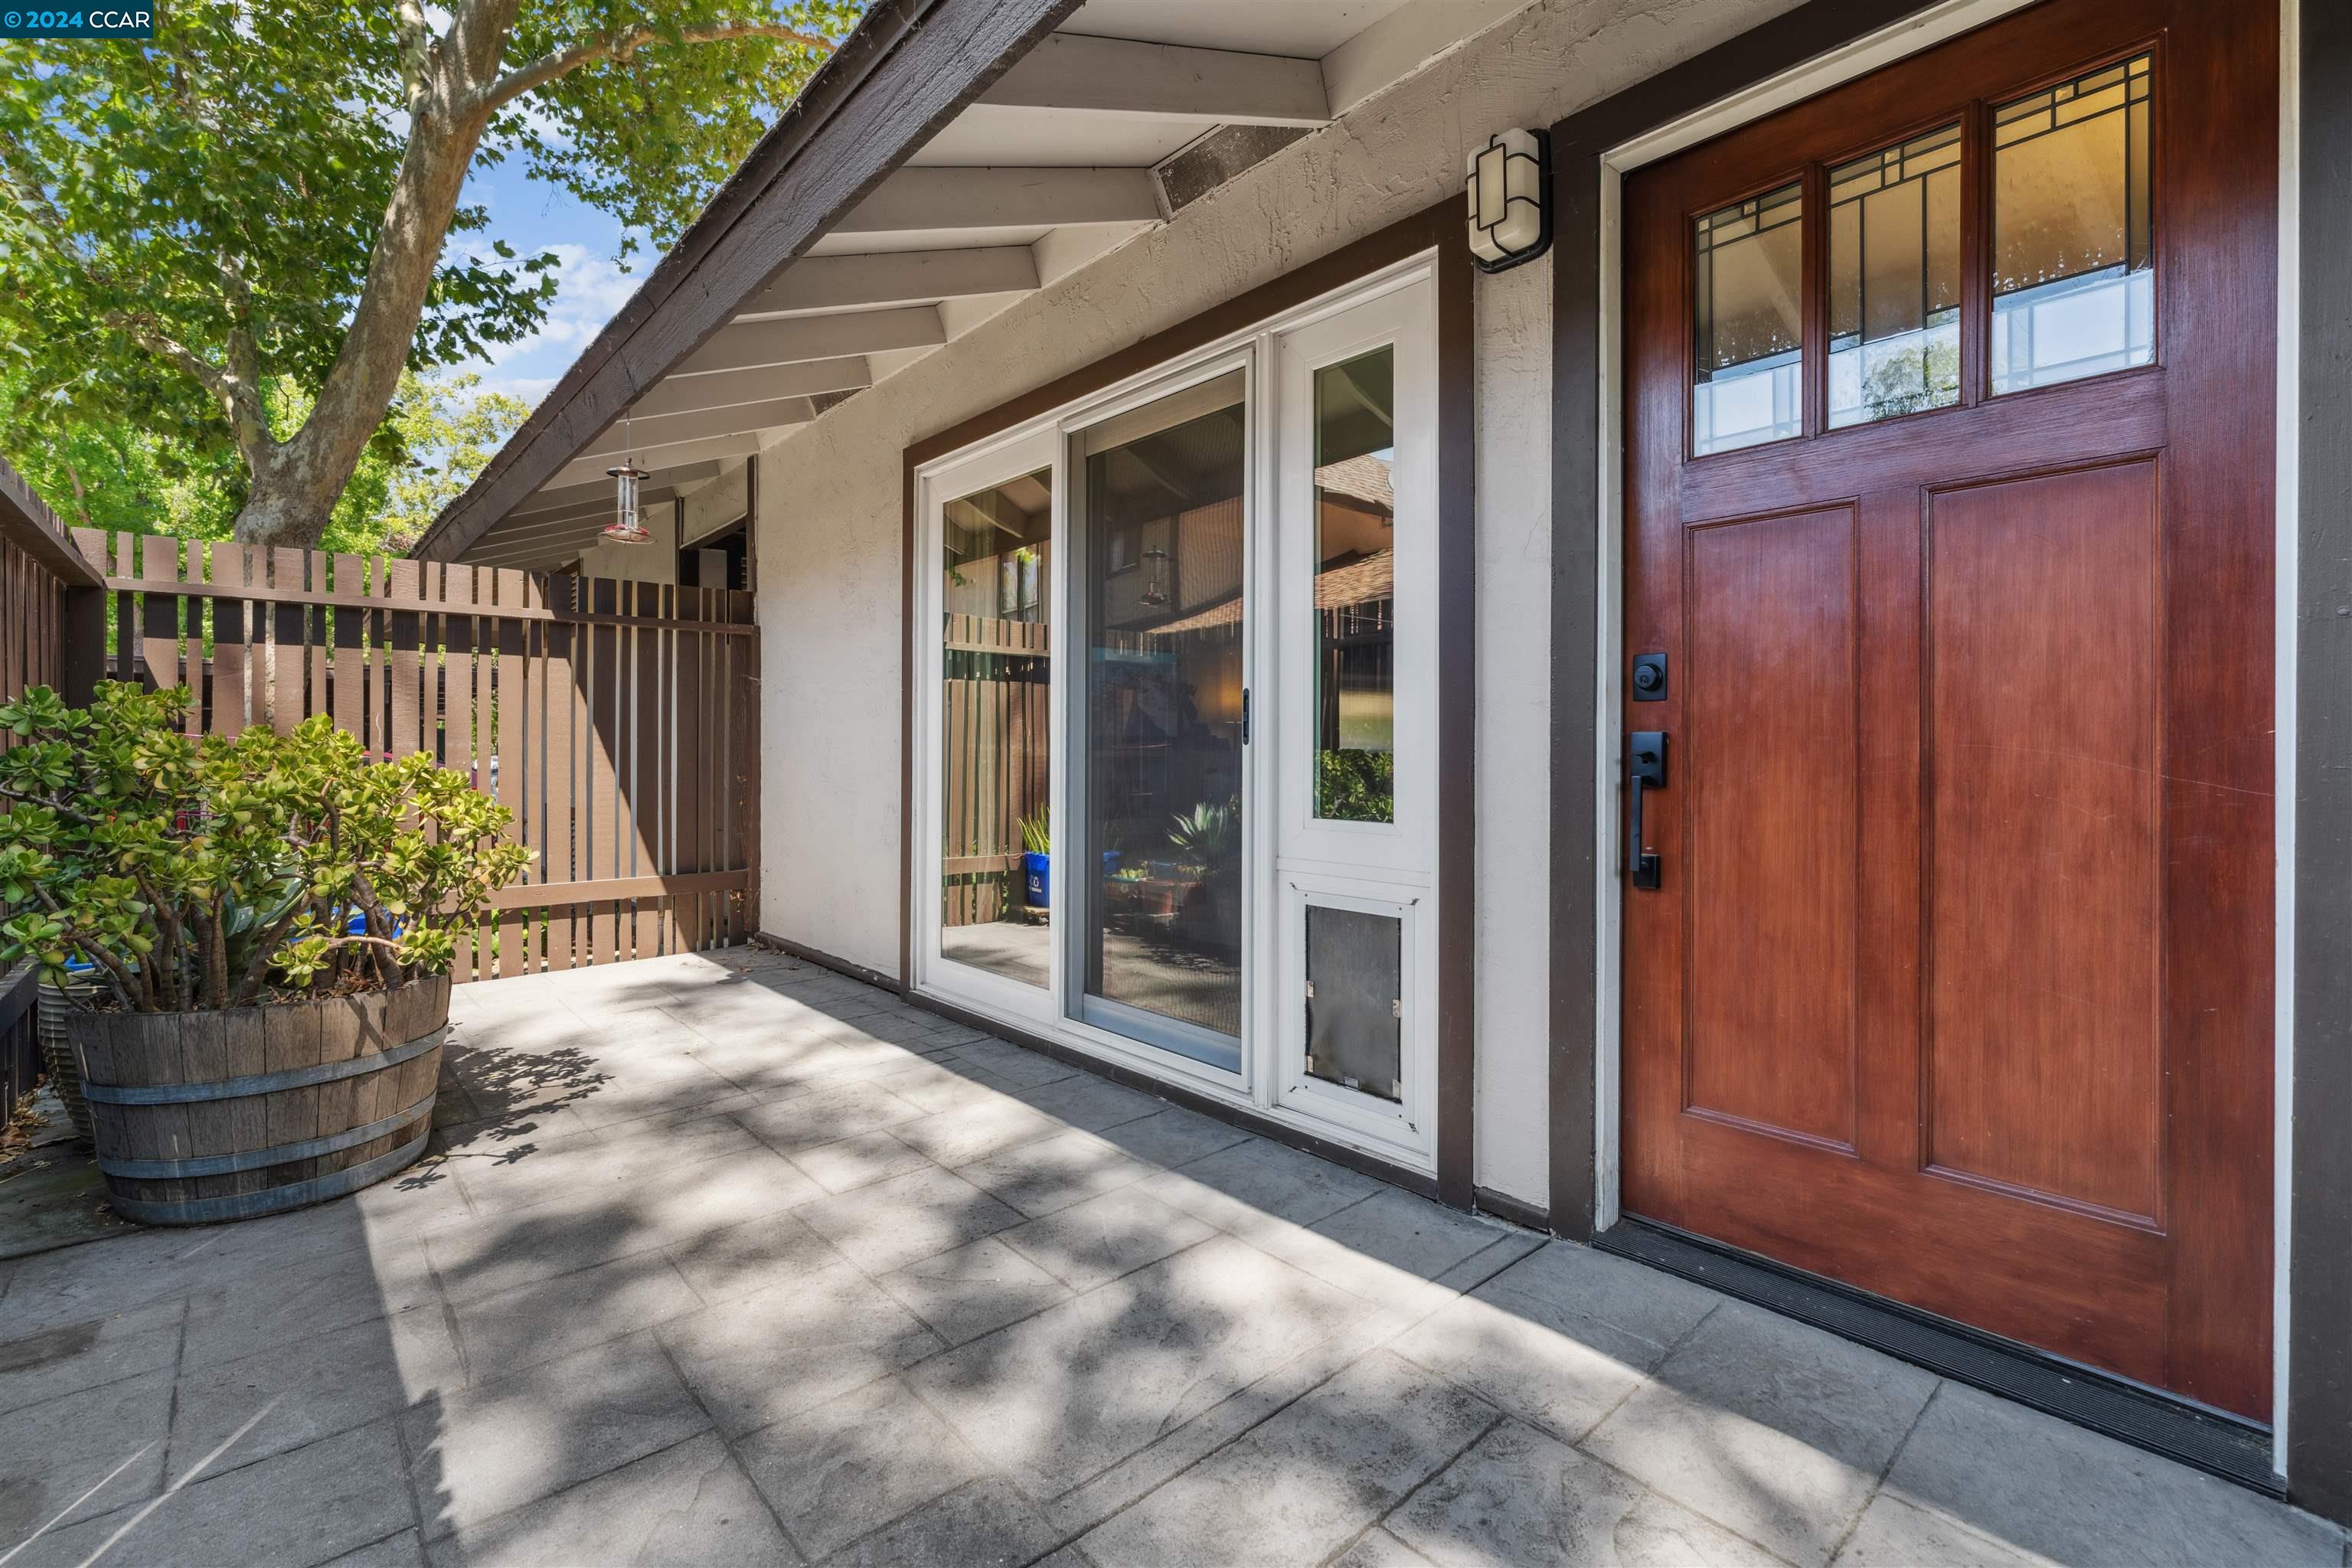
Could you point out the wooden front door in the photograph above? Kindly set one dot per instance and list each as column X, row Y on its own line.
column 1950, row 472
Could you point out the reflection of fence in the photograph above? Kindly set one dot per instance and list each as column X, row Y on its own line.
column 616, row 720
column 994, row 714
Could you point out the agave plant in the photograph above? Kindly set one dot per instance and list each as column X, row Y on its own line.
column 1210, row 836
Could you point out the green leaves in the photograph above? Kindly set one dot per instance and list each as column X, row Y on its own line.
column 189, row 226
column 188, row 870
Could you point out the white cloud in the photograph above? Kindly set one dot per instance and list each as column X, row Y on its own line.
column 530, row 388
column 589, row 290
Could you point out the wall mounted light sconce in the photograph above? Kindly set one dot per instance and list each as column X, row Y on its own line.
column 1509, row 189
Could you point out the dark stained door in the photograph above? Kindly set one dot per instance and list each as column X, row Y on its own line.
column 1949, row 473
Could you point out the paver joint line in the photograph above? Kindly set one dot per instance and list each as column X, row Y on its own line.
column 734, row 1249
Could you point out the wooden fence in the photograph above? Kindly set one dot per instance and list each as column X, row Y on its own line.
column 994, row 714
column 617, row 720
column 39, row 573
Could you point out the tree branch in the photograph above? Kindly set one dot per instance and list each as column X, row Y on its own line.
column 239, row 398
column 416, row 42
column 623, row 45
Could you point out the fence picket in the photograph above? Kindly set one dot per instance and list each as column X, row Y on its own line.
column 627, row 752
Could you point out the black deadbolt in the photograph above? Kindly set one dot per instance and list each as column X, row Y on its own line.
column 1649, row 677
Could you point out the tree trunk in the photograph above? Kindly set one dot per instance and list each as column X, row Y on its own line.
column 293, row 489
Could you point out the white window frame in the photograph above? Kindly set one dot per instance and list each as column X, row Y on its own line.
column 1406, row 1138
column 1009, row 457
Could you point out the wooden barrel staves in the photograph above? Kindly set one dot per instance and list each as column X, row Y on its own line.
column 204, row 1117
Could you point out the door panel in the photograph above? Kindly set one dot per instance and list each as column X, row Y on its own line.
column 1956, row 983
column 2044, row 1062
column 1768, row 741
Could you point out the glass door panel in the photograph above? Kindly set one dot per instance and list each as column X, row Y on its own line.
column 995, row 728
column 1159, row 520
column 1355, row 588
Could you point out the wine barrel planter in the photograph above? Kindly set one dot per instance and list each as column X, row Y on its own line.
column 205, row 1116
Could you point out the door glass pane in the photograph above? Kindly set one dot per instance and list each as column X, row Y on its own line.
column 1355, row 991
column 1163, row 757
column 996, row 851
column 1747, row 293
column 1894, row 281
column 2074, row 265
column 1355, row 587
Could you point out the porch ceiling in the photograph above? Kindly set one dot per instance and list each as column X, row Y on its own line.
column 1057, row 117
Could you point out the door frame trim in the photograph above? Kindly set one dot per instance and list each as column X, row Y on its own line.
column 1436, row 229
column 1799, row 55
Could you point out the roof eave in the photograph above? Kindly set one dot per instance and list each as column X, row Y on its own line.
column 908, row 68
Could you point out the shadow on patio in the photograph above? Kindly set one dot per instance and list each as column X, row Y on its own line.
column 729, row 1258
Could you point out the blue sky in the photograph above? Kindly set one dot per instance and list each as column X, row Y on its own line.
column 533, row 217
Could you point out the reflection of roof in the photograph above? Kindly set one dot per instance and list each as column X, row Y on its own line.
column 1364, row 479
column 1373, row 577
column 1357, row 582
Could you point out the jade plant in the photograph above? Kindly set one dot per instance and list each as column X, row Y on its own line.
column 195, row 874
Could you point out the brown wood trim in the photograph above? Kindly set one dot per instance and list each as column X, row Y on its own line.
column 1517, row 1211
column 2319, row 1274
column 27, row 524
column 1578, row 350
column 1457, row 713
column 912, row 660
column 825, row 959
column 547, row 895
column 256, row 593
column 1437, row 228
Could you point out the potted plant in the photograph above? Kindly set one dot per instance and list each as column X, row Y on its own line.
column 269, row 922
column 1038, row 858
column 1208, row 841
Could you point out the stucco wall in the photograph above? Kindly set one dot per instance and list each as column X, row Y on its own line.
column 1513, row 597
column 655, row 561
column 830, row 493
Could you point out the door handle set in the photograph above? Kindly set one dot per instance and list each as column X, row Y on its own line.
column 1645, row 768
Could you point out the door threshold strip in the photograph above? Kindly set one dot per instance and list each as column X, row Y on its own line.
column 2219, row 1445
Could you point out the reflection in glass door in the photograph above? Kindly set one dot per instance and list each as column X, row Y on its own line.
column 1355, row 588
column 995, row 728
column 1158, row 518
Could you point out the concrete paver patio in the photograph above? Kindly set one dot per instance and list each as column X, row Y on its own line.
column 731, row 1260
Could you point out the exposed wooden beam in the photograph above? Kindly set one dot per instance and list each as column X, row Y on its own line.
column 682, row 394
column 915, row 200
column 816, row 283
column 904, row 71
column 1120, row 76
column 796, row 341
column 641, row 435
column 555, row 498
column 590, row 467
column 585, row 518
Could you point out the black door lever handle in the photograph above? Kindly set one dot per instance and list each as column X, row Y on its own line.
column 1645, row 768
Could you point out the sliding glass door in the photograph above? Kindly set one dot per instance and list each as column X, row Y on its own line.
column 1180, row 736
column 989, row 726
column 1158, row 515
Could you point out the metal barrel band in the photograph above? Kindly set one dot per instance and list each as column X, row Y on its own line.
column 260, row 1159
column 245, row 1205
column 259, row 1083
